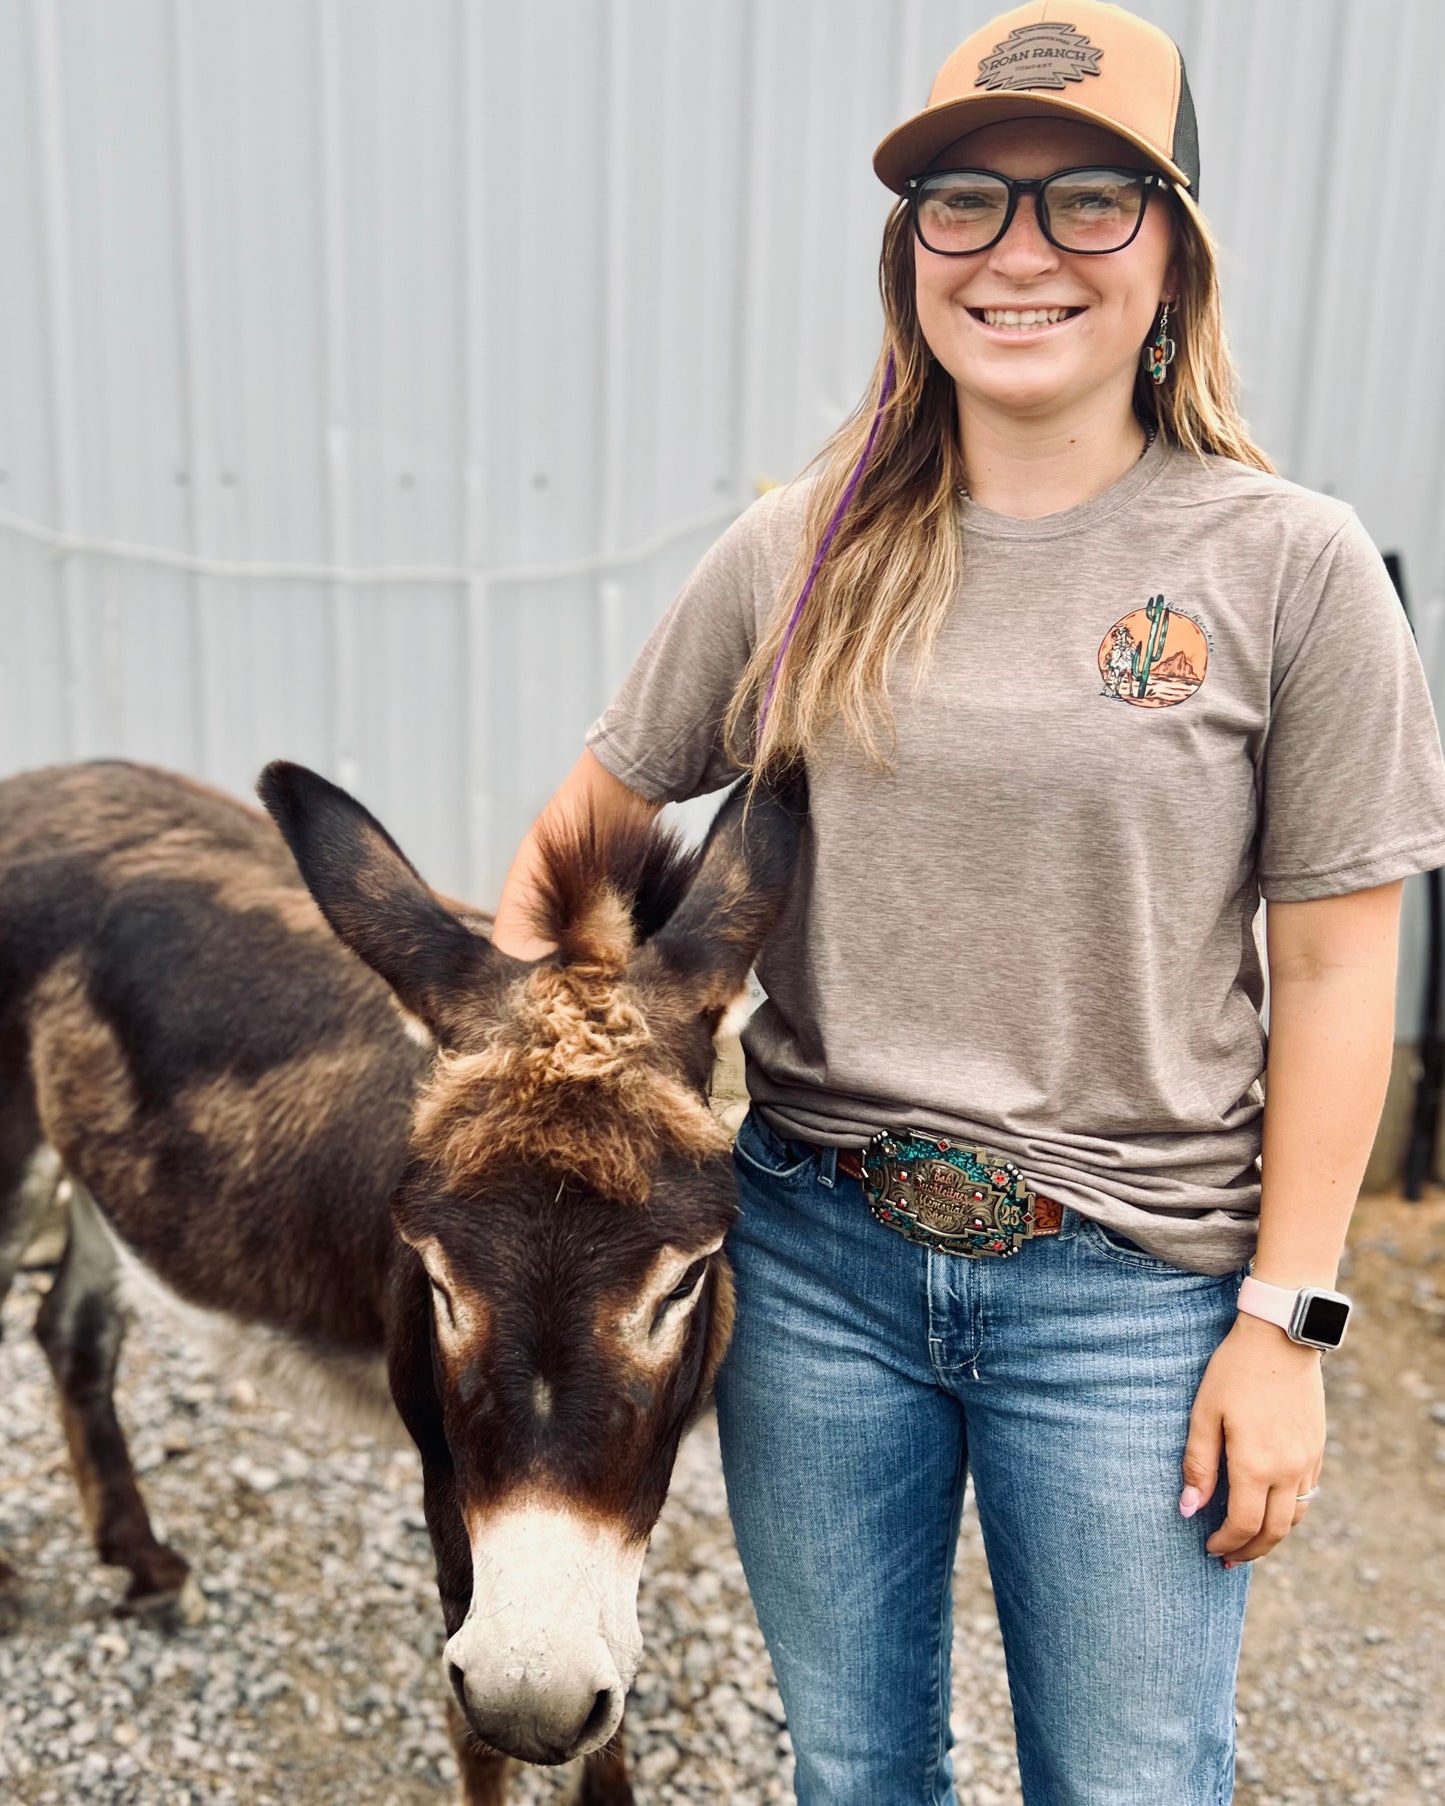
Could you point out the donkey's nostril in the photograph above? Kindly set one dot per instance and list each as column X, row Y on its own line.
column 459, row 1684
column 597, row 1717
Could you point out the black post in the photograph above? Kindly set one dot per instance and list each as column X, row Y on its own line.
column 1419, row 1166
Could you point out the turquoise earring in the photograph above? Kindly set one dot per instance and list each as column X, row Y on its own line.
column 1159, row 352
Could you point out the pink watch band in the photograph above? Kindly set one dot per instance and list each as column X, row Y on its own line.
column 1274, row 1303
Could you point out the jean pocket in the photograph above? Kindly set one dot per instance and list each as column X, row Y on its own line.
column 1115, row 1245
column 763, row 1153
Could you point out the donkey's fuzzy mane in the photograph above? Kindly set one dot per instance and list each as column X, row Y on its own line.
column 571, row 1074
column 606, row 884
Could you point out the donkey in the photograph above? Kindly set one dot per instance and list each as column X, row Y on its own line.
column 303, row 1100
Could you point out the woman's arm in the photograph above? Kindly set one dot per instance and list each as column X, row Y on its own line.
column 1332, row 969
column 589, row 785
column 1332, row 965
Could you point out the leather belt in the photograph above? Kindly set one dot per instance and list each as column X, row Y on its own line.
column 948, row 1195
column 1048, row 1212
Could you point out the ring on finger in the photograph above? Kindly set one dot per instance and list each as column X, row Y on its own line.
column 1303, row 1498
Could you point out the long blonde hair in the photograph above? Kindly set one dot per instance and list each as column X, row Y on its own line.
column 896, row 560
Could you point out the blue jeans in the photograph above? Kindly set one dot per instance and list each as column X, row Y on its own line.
column 866, row 1376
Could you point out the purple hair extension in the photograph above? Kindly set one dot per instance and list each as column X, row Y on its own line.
column 844, row 503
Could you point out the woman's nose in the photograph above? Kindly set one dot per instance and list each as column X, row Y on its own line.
column 1023, row 246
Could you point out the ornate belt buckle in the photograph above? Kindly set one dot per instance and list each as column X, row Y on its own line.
column 949, row 1195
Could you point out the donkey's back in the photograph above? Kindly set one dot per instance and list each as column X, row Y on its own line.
column 226, row 1085
column 179, row 1023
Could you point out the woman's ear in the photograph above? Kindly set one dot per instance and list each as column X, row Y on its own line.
column 1173, row 283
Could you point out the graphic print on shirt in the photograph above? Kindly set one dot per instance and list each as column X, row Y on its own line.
column 1154, row 657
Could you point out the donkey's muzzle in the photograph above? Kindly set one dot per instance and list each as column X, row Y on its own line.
column 542, row 1661
column 545, row 1727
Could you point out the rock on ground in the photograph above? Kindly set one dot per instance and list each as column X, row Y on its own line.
column 314, row 1680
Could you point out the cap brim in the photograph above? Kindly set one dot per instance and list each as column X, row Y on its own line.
column 908, row 150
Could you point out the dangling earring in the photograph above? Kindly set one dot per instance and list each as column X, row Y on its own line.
column 1159, row 353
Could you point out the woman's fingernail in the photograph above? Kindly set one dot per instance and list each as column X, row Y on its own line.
column 1189, row 1501
column 1229, row 1564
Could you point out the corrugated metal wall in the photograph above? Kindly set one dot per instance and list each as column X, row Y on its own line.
column 372, row 371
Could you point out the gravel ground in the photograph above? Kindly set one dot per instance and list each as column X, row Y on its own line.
column 314, row 1678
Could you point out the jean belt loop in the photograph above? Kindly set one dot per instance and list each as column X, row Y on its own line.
column 828, row 1167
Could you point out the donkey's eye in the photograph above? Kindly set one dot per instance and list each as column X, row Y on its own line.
column 685, row 1288
column 443, row 1300
column 687, row 1285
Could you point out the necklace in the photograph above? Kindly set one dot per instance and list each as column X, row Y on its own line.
column 1151, row 433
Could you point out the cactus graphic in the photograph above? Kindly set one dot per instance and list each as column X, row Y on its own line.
column 1143, row 660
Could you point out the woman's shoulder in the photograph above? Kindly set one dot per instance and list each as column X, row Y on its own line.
column 1255, row 501
column 779, row 515
column 757, row 549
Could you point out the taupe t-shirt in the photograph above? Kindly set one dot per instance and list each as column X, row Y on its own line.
column 1038, row 931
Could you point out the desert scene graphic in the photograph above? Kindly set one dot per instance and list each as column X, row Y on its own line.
column 1154, row 657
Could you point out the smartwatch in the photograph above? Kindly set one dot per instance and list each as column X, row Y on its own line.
column 1311, row 1315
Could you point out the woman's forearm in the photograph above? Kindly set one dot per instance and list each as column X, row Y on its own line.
column 1261, row 1405
column 589, row 786
column 1331, row 1035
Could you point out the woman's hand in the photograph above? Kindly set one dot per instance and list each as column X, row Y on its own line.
column 1261, row 1403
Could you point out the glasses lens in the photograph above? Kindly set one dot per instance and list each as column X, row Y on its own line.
column 1094, row 209
column 962, row 211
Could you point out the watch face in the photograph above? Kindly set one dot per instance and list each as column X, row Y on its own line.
column 1324, row 1321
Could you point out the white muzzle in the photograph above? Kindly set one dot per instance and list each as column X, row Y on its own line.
column 543, row 1660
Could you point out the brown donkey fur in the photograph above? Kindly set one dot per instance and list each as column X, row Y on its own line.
column 509, row 1235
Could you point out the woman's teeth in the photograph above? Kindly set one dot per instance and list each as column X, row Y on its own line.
column 1024, row 317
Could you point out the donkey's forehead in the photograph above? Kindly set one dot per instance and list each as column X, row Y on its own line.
column 573, row 1076
column 526, row 1221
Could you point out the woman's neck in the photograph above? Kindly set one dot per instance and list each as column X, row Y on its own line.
column 1028, row 468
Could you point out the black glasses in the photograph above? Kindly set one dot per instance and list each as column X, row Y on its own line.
column 959, row 212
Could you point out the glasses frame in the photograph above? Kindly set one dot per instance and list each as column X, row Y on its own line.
column 1034, row 185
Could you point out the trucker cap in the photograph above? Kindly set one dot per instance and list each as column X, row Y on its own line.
column 1071, row 59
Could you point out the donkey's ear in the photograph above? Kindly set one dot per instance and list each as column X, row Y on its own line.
column 743, row 881
column 376, row 902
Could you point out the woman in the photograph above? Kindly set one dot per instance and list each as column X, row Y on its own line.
column 1076, row 678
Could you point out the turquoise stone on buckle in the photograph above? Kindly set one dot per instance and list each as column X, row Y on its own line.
column 949, row 1195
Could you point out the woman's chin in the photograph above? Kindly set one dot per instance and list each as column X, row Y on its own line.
column 1022, row 392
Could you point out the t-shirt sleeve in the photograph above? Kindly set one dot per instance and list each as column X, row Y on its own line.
column 662, row 732
column 1352, row 781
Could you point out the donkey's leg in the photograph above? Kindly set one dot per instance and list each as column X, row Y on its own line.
column 29, row 1171
column 26, row 1188
column 484, row 1772
column 604, row 1775
column 23, row 1212
column 80, row 1326
column 27, row 1184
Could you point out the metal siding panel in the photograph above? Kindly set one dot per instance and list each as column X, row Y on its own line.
column 485, row 288
column 1337, row 322
column 58, row 292
column 542, row 701
column 409, row 696
column 690, row 160
column 475, row 830
column 269, row 649
column 115, row 140
column 250, row 157
column 27, row 453
column 401, row 150
column 544, row 137
column 34, row 726
column 1409, row 446
column 1388, row 124
column 150, row 652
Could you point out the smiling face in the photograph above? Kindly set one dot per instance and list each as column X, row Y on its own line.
column 1092, row 313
